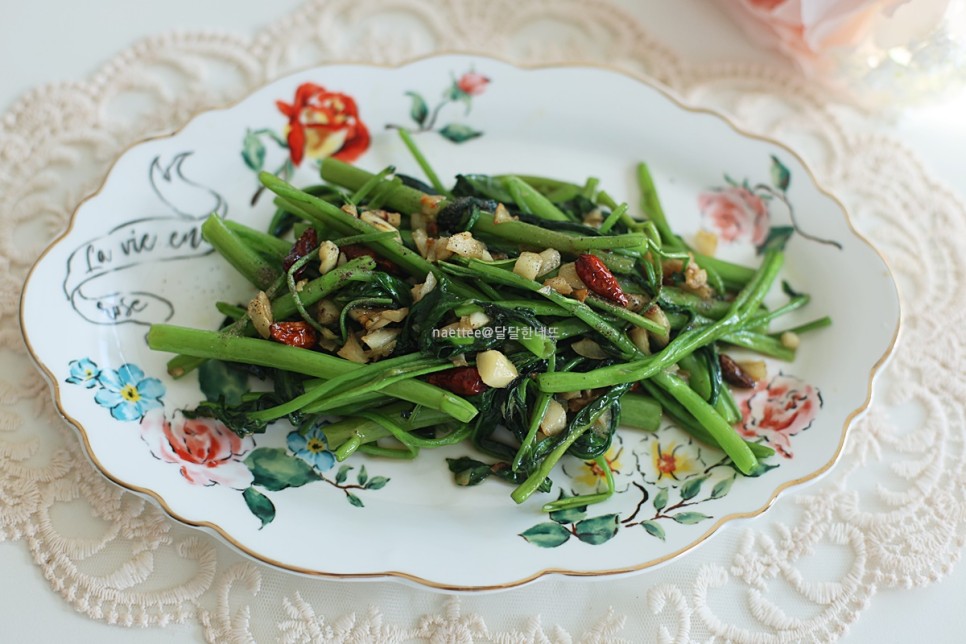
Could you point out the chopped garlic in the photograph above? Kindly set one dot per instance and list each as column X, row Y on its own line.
column 328, row 256
column 554, row 420
column 422, row 290
column 260, row 312
column 568, row 272
column 465, row 245
column 352, row 351
column 790, row 340
column 559, row 284
column 654, row 313
column 588, row 349
column 501, row 215
column 549, row 261
column 528, row 265
column 641, row 340
column 756, row 369
column 495, row 369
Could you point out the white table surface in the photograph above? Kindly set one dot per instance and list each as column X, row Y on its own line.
column 60, row 40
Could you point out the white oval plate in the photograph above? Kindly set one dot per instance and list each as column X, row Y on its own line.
column 133, row 255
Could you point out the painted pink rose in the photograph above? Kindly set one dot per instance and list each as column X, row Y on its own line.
column 207, row 451
column 472, row 83
column 778, row 410
column 736, row 214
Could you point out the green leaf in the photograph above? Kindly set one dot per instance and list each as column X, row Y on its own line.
column 418, row 111
column 459, row 133
column 780, row 176
column 354, row 500
column 569, row 515
column 253, row 151
column 342, row 474
column 377, row 483
column 660, row 499
column 654, row 529
column 597, row 530
column 275, row 469
column 761, row 468
column 546, row 535
column 260, row 505
column 467, row 471
column 362, row 476
column 692, row 487
column 454, row 93
column 777, row 237
column 689, row 518
column 219, row 381
column 722, row 487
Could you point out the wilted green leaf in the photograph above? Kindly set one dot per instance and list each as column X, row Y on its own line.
column 597, row 530
column 218, row 380
column 418, row 111
column 467, row 471
column 654, row 529
column 260, row 505
column 459, row 133
column 780, row 176
column 275, row 469
column 546, row 535
column 689, row 518
column 253, row 151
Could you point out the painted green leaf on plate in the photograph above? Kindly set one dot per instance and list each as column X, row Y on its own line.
column 459, row 133
column 689, row 518
column 597, row 530
column 654, row 529
column 275, row 469
column 546, row 535
column 260, row 505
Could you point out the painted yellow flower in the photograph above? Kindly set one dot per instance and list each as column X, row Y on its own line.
column 587, row 477
column 674, row 460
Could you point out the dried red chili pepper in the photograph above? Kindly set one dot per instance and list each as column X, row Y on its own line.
column 305, row 244
column 598, row 278
column 358, row 250
column 294, row 334
column 463, row 381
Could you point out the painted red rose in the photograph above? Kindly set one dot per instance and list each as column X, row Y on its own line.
column 778, row 410
column 323, row 124
column 472, row 83
column 736, row 214
column 207, row 451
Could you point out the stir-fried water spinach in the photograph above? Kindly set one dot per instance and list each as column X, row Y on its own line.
column 526, row 316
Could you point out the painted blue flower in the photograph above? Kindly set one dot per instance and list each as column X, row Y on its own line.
column 83, row 372
column 127, row 393
column 312, row 448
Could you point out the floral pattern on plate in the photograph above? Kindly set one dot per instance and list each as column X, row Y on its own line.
column 673, row 475
column 207, row 452
column 742, row 212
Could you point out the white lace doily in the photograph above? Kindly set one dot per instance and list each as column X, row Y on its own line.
column 891, row 513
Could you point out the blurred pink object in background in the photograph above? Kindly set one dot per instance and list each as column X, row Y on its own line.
column 877, row 51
